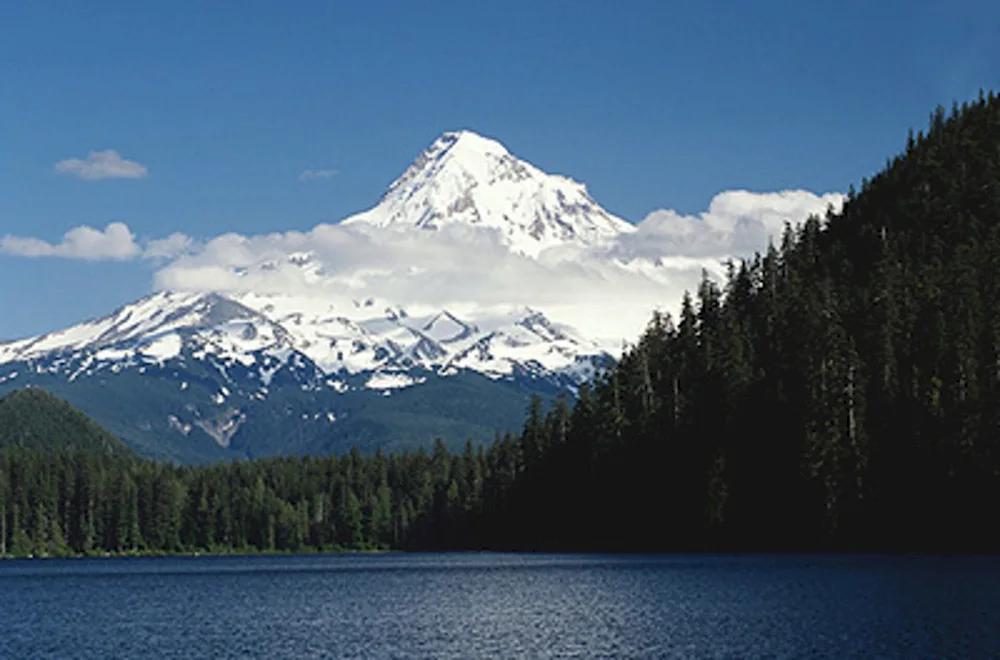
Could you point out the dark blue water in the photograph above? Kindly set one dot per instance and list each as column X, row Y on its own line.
column 501, row 606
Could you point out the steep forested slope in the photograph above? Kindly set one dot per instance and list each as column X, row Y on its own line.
column 841, row 390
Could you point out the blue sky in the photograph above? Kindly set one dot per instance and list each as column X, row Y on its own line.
column 653, row 104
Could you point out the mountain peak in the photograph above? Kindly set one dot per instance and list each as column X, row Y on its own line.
column 468, row 142
column 465, row 178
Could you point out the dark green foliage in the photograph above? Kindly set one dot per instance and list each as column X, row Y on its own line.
column 841, row 391
column 75, row 502
column 68, row 487
column 33, row 418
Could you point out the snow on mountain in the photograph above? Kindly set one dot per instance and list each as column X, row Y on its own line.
column 252, row 368
column 261, row 332
column 464, row 178
column 156, row 328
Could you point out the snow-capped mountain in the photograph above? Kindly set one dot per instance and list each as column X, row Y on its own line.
column 197, row 376
column 464, row 178
column 155, row 328
column 345, row 338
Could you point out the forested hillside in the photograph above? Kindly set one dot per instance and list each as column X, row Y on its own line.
column 33, row 418
column 63, row 492
column 841, row 391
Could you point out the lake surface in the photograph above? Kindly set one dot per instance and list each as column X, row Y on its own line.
column 503, row 606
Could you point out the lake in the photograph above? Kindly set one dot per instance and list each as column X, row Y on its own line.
column 468, row 605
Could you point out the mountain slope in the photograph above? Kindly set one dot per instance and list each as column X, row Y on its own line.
column 32, row 418
column 200, row 377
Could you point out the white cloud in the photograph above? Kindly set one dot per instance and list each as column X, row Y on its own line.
column 107, row 164
column 607, row 292
column 114, row 242
column 458, row 269
column 737, row 222
column 170, row 247
column 315, row 175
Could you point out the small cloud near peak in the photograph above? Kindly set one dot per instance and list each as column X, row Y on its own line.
column 317, row 175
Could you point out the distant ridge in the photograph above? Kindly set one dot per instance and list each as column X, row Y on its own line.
column 32, row 418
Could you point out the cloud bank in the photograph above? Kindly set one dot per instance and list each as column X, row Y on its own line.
column 115, row 243
column 737, row 223
column 607, row 291
column 99, row 165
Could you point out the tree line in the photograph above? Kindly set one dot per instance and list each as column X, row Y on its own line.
column 55, row 503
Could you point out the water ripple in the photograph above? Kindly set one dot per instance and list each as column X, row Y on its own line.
column 501, row 605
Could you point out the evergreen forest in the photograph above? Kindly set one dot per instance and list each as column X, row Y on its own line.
column 840, row 391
